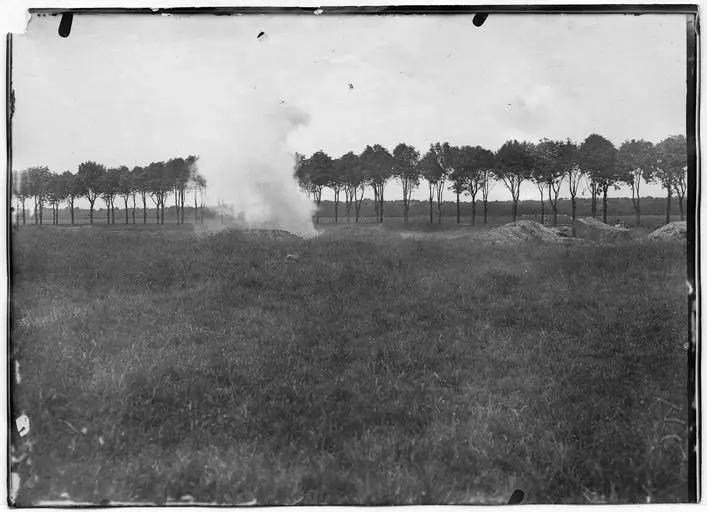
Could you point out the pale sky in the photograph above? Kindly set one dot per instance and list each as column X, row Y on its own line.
column 130, row 89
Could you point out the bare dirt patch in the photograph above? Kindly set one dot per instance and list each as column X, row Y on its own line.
column 520, row 231
column 590, row 228
column 672, row 231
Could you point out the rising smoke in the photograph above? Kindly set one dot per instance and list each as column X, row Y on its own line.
column 245, row 157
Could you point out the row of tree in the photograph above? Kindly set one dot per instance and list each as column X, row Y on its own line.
column 473, row 171
column 158, row 181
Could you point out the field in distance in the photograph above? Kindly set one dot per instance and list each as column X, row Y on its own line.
column 370, row 368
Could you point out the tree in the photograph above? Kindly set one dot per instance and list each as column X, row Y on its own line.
column 378, row 165
column 125, row 189
column 158, row 187
column 336, row 183
column 461, row 175
column 538, row 176
column 598, row 158
column 315, row 173
column 352, row 179
column 513, row 166
column 635, row 160
column 140, row 182
column 186, row 178
column 56, row 193
column 89, row 176
column 406, row 168
column 73, row 190
column 434, row 174
column 569, row 156
column 38, row 183
column 553, row 162
column 22, row 191
column 671, row 168
column 177, row 172
column 486, row 180
column 199, row 188
column 301, row 174
column 446, row 156
column 109, row 187
column 476, row 164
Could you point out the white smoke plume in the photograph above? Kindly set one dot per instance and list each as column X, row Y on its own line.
column 243, row 152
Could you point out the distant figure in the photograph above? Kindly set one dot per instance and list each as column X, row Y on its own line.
column 620, row 224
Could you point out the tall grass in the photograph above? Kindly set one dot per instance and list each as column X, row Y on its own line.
column 375, row 369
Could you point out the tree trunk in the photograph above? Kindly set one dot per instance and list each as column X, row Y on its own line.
column 667, row 213
column 176, row 205
column 112, row 211
column 162, row 212
column 90, row 211
column 486, row 207
column 515, row 209
column 23, row 211
column 605, row 206
column 574, row 209
column 682, row 213
column 382, row 202
column 431, row 210
column 594, row 202
column 181, row 206
column 71, row 210
column 458, row 210
column 336, row 206
column 554, row 213
column 133, row 210
column 473, row 210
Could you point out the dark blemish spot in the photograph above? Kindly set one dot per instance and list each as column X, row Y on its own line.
column 65, row 24
column 516, row 497
column 261, row 34
column 350, row 86
column 479, row 18
column 104, row 502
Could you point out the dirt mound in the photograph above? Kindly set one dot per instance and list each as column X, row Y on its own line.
column 672, row 231
column 520, row 231
column 562, row 231
column 590, row 228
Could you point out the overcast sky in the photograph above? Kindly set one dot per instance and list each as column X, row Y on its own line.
column 130, row 89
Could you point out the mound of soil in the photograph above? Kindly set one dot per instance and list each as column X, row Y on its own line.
column 672, row 231
column 590, row 228
column 521, row 231
column 562, row 231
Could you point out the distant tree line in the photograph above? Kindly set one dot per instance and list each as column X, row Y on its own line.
column 156, row 181
column 473, row 171
column 620, row 208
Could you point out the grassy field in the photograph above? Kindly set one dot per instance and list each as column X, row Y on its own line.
column 158, row 365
